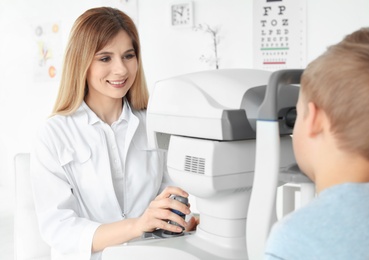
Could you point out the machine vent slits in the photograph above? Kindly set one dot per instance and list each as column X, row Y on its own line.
column 194, row 164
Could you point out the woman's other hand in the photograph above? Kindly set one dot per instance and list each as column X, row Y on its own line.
column 192, row 223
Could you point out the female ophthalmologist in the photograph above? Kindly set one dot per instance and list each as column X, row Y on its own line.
column 95, row 179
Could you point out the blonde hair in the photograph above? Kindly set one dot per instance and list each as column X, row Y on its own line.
column 90, row 33
column 338, row 83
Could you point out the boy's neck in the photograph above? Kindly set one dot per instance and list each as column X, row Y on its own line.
column 341, row 168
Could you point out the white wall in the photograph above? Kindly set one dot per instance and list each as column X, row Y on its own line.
column 330, row 20
column 169, row 51
column 24, row 103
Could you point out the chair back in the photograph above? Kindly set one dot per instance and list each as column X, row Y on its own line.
column 28, row 243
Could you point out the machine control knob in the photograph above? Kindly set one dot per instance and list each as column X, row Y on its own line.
column 184, row 201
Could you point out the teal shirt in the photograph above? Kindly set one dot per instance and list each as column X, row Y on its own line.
column 335, row 225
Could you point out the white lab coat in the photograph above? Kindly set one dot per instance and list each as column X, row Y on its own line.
column 72, row 181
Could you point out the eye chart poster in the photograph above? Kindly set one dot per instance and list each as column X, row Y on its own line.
column 279, row 34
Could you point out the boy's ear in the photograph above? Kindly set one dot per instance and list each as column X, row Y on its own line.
column 315, row 119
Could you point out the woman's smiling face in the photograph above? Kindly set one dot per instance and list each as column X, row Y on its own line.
column 113, row 69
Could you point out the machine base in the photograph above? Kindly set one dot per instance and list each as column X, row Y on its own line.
column 190, row 246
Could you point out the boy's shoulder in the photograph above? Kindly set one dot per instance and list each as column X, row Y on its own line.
column 315, row 228
column 328, row 204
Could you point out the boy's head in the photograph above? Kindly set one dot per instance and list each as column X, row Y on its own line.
column 337, row 83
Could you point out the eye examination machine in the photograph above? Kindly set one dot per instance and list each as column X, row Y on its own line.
column 227, row 134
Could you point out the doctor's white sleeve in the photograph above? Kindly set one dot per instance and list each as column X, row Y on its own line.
column 56, row 207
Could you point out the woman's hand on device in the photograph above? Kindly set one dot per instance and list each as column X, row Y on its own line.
column 159, row 212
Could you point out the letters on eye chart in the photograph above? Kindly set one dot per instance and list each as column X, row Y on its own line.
column 279, row 34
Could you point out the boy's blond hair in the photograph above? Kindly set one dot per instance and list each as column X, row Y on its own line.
column 91, row 32
column 338, row 83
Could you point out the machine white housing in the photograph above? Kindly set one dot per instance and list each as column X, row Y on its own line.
column 200, row 104
column 207, row 122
